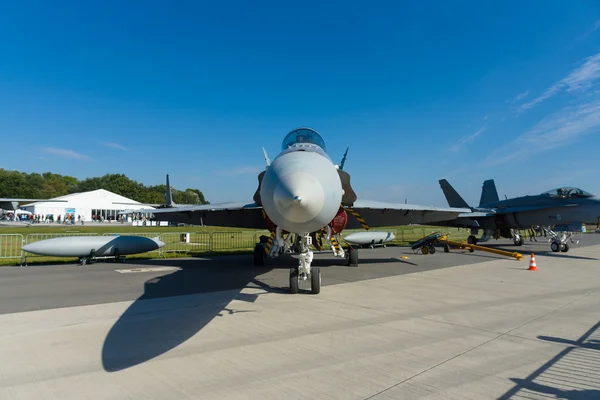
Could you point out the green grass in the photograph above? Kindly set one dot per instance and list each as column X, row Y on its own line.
column 203, row 240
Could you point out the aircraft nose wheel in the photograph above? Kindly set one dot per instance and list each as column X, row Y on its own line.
column 294, row 280
column 315, row 280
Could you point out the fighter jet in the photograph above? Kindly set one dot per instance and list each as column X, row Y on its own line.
column 302, row 194
column 564, row 209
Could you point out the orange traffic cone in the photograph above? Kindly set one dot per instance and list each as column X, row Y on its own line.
column 532, row 265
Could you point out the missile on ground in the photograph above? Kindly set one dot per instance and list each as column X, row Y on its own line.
column 85, row 247
column 369, row 238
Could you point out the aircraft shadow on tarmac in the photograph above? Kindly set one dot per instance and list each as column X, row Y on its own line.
column 164, row 317
column 571, row 370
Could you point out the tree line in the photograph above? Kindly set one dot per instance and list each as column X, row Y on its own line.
column 49, row 185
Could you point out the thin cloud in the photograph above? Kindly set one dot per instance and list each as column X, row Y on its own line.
column 65, row 153
column 580, row 79
column 519, row 97
column 468, row 139
column 557, row 130
column 114, row 145
column 593, row 29
column 244, row 170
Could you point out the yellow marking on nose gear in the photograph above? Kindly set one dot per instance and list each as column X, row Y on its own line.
column 335, row 244
column 358, row 218
column 270, row 242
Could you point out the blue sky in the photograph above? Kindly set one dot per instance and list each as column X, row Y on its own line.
column 458, row 90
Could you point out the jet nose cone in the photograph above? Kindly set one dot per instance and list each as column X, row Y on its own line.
column 299, row 197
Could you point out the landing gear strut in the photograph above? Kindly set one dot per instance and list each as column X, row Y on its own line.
column 304, row 271
column 518, row 239
column 559, row 242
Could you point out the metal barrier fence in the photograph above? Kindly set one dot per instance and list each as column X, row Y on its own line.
column 186, row 243
column 10, row 245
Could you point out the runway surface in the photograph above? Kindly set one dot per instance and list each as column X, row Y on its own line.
column 453, row 326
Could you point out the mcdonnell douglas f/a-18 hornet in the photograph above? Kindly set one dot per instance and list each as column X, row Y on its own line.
column 301, row 194
column 564, row 209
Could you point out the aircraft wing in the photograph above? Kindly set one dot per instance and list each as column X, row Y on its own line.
column 378, row 214
column 235, row 215
column 476, row 214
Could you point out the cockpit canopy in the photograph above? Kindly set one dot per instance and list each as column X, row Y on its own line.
column 568, row 192
column 303, row 135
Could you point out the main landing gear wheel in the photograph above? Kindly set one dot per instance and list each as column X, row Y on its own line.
column 352, row 257
column 294, row 280
column 259, row 255
column 472, row 239
column 555, row 247
column 564, row 247
column 315, row 280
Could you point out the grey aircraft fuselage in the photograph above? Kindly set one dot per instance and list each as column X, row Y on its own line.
column 556, row 211
column 302, row 194
column 563, row 209
column 301, row 190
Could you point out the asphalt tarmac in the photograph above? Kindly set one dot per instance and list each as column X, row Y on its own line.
column 56, row 286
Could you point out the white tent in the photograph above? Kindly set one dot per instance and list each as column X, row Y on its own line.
column 89, row 206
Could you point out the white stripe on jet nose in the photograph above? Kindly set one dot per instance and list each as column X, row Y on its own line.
column 299, row 197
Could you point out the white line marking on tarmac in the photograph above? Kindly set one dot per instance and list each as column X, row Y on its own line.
column 146, row 269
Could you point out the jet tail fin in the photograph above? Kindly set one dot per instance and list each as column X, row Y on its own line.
column 168, row 195
column 453, row 198
column 489, row 194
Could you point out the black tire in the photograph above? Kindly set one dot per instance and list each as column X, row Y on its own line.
column 555, row 247
column 472, row 239
column 425, row 250
column 315, row 280
column 352, row 257
column 431, row 249
column 471, row 250
column 446, row 248
column 564, row 247
column 259, row 255
column 294, row 281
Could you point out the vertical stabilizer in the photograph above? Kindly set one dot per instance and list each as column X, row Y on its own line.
column 489, row 194
column 453, row 198
column 168, row 194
